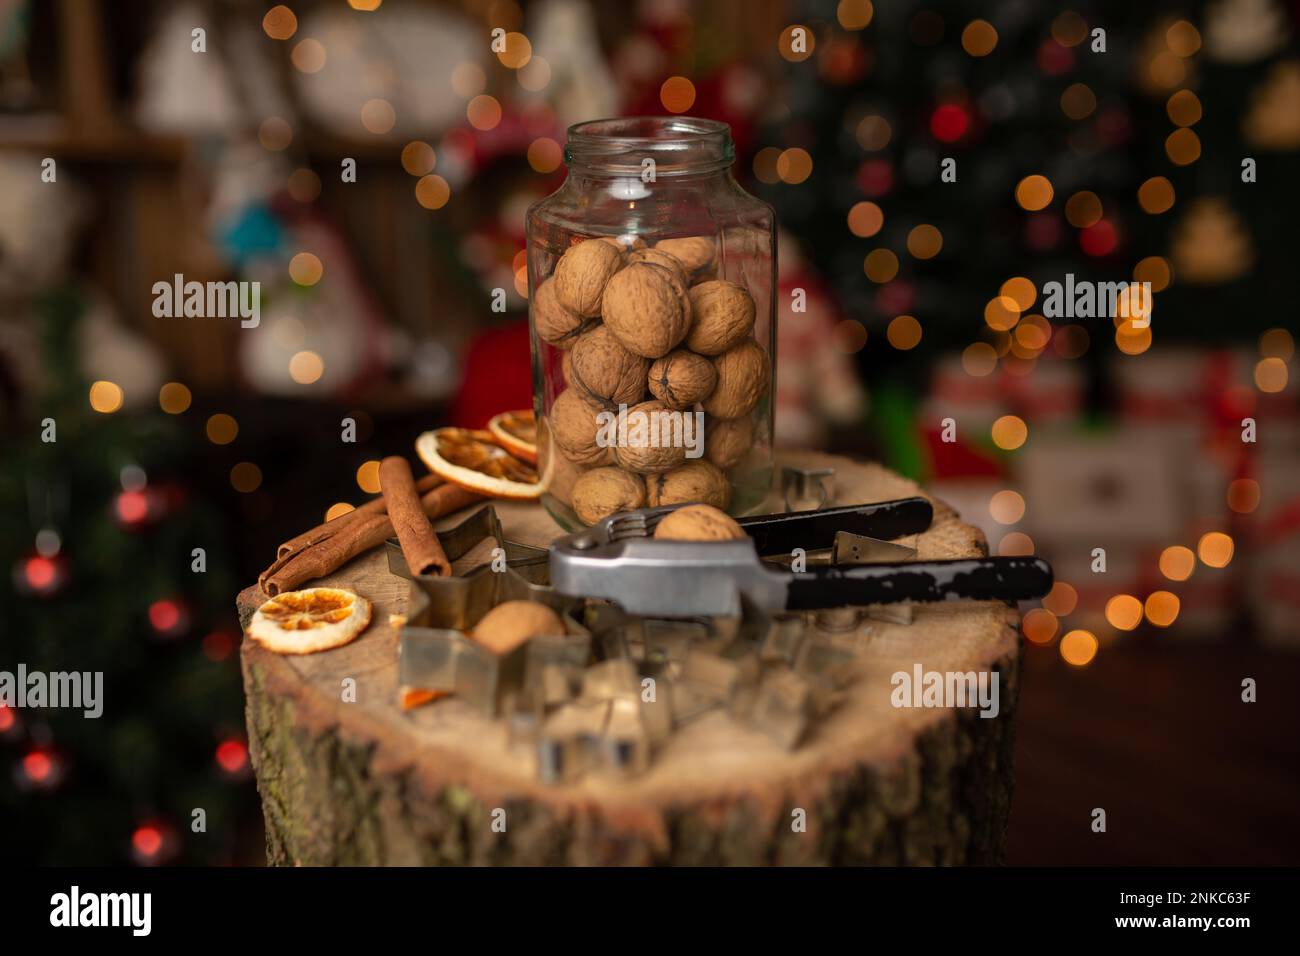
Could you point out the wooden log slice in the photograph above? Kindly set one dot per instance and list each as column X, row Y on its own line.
column 366, row 783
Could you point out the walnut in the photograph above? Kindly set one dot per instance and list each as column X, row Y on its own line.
column 744, row 375
column 574, row 428
column 694, row 252
column 646, row 307
column 553, row 322
column 650, row 445
column 659, row 258
column 699, row 523
column 696, row 480
column 558, row 473
column 582, row 273
column 682, row 378
column 625, row 242
column 726, row 440
column 602, row 492
column 723, row 315
column 605, row 373
column 511, row 623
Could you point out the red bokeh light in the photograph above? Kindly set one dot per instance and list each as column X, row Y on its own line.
column 40, row 573
column 218, row 645
column 165, row 616
column 132, row 507
column 1099, row 239
column 232, row 755
column 1054, row 59
column 7, row 719
column 38, row 766
column 949, row 123
column 876, row 177
column 147, row 840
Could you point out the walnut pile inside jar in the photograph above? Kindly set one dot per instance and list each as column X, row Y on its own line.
column 649, row 329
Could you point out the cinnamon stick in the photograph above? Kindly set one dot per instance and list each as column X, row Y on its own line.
column 328, row 555
column 376, row 505
column 420, row 547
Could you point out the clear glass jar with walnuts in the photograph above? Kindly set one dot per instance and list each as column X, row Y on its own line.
column 651, row 278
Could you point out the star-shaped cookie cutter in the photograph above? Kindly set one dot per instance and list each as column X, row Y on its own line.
column 519, row 572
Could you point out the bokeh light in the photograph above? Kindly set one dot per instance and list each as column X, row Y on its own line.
column 304, row 185
column 1154, row 270
column 245, row 477
column 904, row 333
column 865, row 219
column 106, row 397
column 794, row 165
column 174, row 398
column 1007, row 506
column 432, row 192
column 880, row 265
column 517, row 51
column 308, row 56
column 1078, row 101
column 275, row 134
column 1039, row 625
column 1183, row 147
column 849, row 336
column 1177, row 563
column 338, row 510
column 1034, row 193
column 800, row 35
column 1183, row 38
column 979, row 359
column 1083, row 209
column 545, row 155
column 418, row 158
column 1215, row 549
column 483, row 112
column 677, row 94
column 873, row 133
column 1124, row 612
column 1078, row 647
column 1184, row 108
column 1243, row 495
column 1156, row 195
column 1021, row 291
column 1002, row 313
column 924, row 241
column 854, row 14
column 1277, row 343
column 1271, row 375
column 221, row 429
column 306, row 368
column 280, row 23
column 1162, row 608
column 368, row 477
column 1009, row 432
column 305, row 269
column 1062, row 599
column 979, row 38
column 1016, row 545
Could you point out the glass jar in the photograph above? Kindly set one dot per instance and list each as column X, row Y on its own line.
column 651, row 278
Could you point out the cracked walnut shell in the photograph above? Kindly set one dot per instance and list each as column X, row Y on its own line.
column 744, row 374
column 723, row 314
column 655, row 439
column 696, row 480
column 681, row 378
column 582, row 274
column 605, row 373
column 574, row 428
column 648, row 308
column 699, row 523
column 602, row 492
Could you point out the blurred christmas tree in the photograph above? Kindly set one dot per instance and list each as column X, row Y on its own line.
column 100, row 536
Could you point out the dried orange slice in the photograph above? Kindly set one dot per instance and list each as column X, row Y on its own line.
column 310, row 620
column 473, row 460
column 516, row 432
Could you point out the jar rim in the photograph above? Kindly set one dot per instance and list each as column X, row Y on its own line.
column 677, row 144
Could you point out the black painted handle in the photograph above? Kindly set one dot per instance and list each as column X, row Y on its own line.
column 976, row 579
column 815, row 530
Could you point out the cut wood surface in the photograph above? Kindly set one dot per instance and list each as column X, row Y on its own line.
column 366, row 783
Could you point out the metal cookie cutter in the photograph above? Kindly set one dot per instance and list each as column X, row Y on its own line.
column 807, row 489
column 458, row 601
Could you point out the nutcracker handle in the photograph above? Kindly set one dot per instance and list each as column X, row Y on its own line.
column 815, row 530
column 974, row 579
